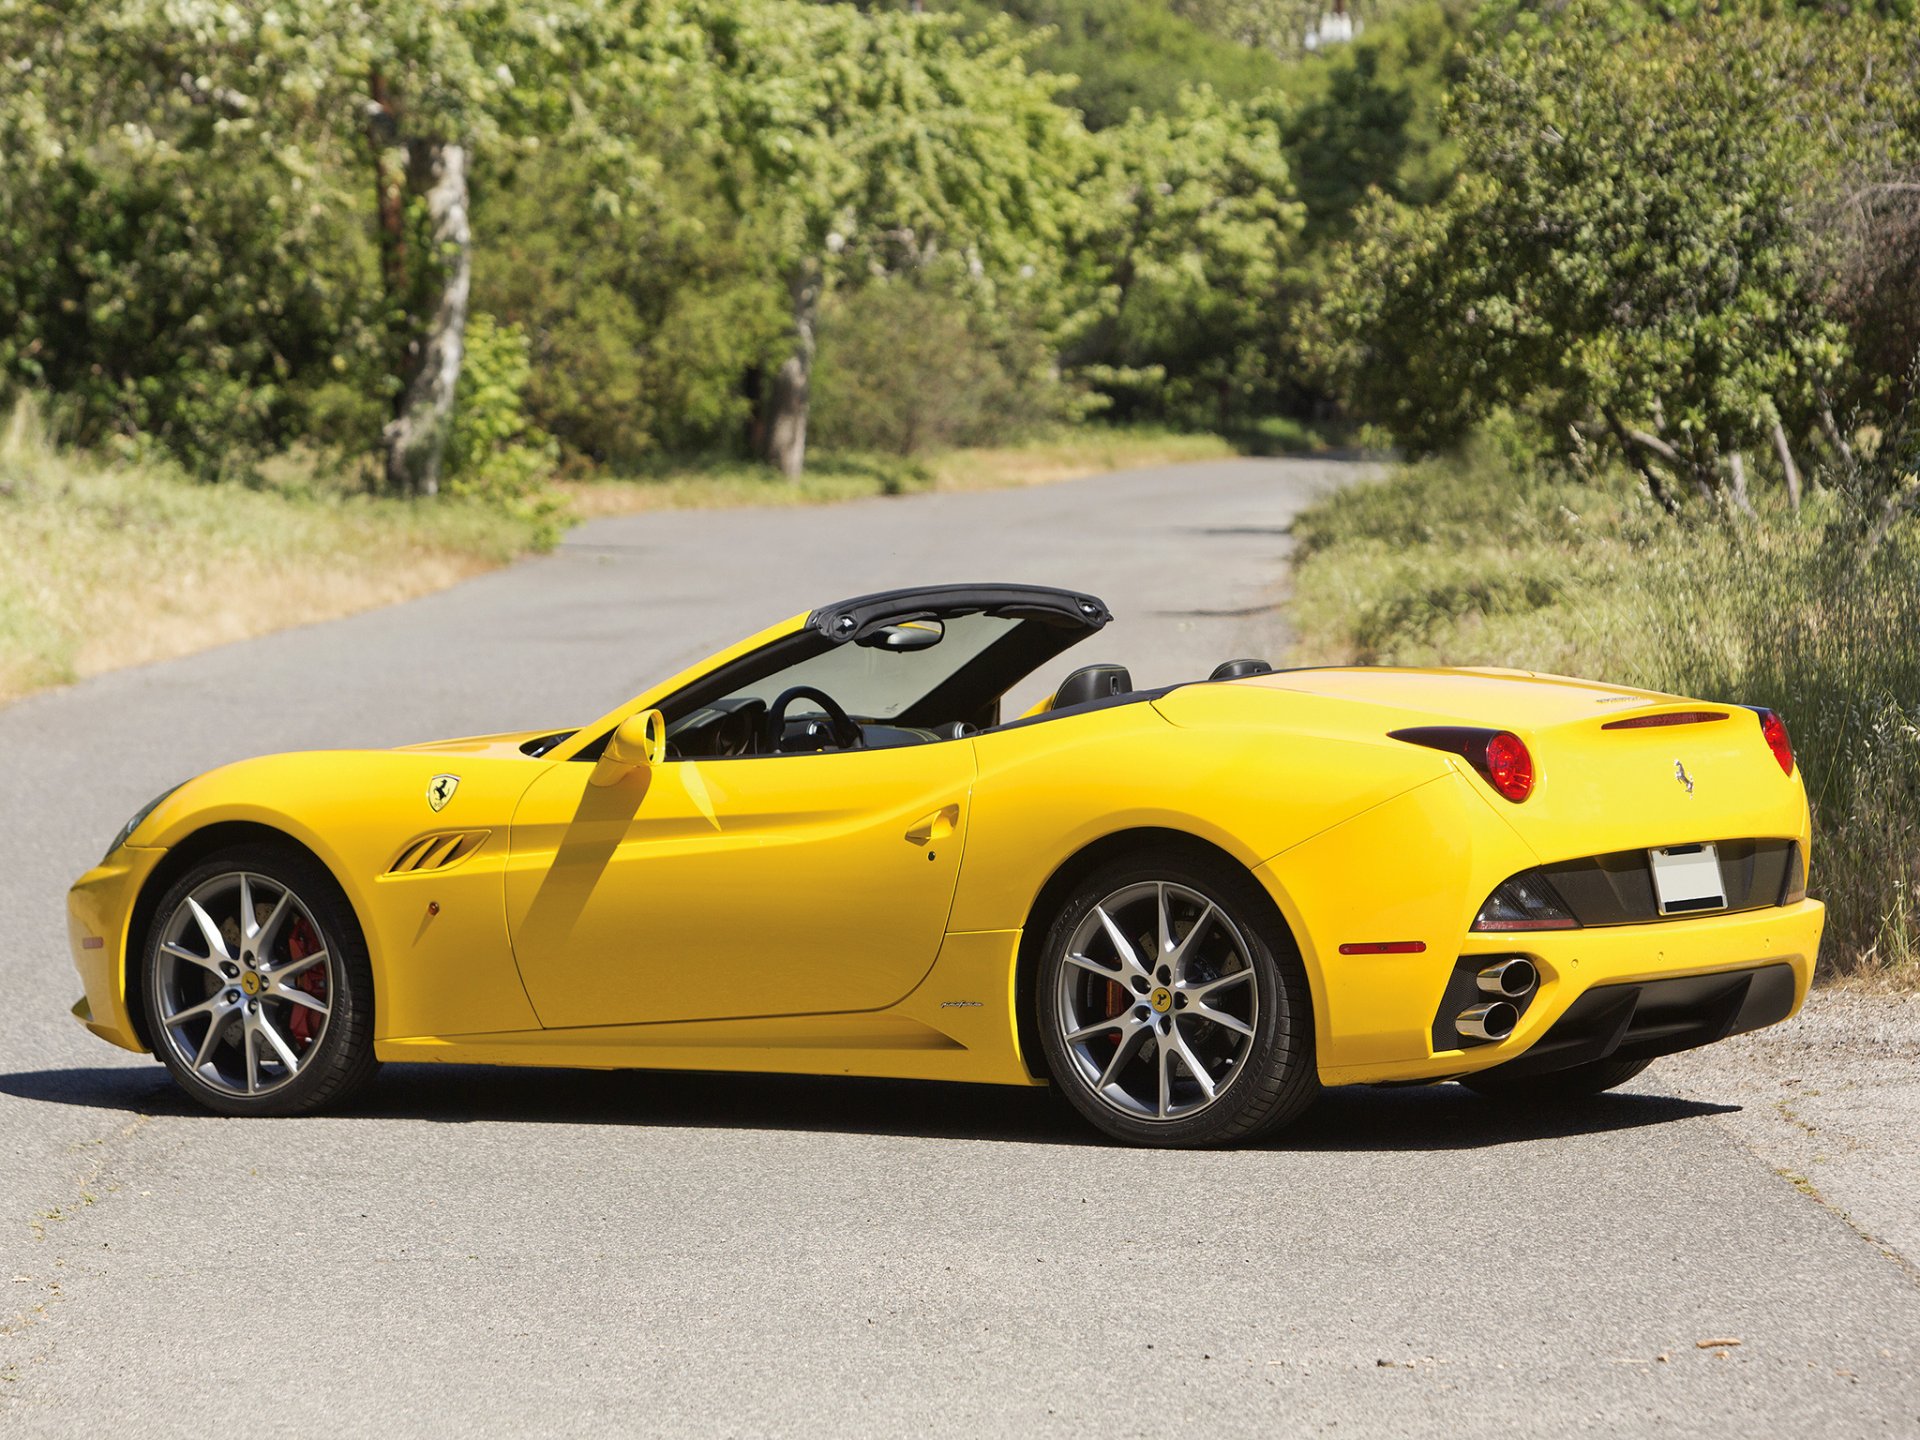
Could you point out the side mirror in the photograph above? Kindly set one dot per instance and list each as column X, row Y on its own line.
column 639, row 743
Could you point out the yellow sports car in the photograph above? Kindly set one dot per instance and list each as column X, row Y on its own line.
column 827, row 851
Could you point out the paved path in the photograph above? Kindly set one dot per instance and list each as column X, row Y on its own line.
column 535, row 1252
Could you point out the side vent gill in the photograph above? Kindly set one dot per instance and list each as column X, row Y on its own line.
column 437, row 852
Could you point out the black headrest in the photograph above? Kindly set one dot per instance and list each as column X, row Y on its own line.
column 1092, row 682
column 1240, row 669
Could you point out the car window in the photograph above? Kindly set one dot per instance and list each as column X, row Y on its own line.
column 875, row 683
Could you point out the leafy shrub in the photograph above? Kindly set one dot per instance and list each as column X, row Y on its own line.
column 904, row 369
column 179, row 294
column 643, row 307
column 494, row 452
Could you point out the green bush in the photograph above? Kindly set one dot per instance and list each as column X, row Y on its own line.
column 643, row 308
column 904, row 369
column 494, row 452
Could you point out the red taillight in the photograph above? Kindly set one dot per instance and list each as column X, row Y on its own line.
column 1500, row 756
column 1778, row 741
column 1509, row 766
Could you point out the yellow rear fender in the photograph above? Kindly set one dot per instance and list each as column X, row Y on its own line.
column 1048, row 791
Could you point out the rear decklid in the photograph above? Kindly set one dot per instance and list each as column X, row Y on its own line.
column 1678, row 772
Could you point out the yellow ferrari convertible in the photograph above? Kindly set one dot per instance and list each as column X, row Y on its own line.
column 826, row 850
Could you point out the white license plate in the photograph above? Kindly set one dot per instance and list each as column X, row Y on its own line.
column 1686, row 878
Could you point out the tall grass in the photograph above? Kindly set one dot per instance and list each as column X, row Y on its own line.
column 106, row 563
column 1475, row 560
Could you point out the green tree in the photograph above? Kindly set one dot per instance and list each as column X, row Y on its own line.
column 1118, row 56
column 642, row 293
column 873, row 144
column 1626, row 256
column 1188, row 225
column 290, row 91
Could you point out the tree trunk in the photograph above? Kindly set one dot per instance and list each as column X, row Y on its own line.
column 786, row 443
column 1792, row 471
column 1834, row 437
column 417, row 435
column 389, row 201
column 1737, row 472
column 1625, row 440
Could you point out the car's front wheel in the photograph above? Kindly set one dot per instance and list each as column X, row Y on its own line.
column 257, row 989
column 1172, row 1008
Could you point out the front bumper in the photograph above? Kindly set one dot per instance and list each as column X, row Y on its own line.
column 1612, row 976
column 99, row 919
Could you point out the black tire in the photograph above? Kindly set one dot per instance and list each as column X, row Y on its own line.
column 1261, row 1079
column 329, row 1065
column 1556, row 1086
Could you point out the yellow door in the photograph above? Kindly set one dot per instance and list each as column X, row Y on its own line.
column 707, row 889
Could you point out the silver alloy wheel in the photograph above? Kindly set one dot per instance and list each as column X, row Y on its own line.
column 244, row 983
column 1158, row 1000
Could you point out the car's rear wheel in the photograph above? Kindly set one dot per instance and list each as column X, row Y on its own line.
column 257, row 989
column 1173, row 1009
column 1575, row 1083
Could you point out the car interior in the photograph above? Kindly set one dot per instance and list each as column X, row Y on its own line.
column 868, row 675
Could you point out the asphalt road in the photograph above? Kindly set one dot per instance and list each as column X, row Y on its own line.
column 536, row 1252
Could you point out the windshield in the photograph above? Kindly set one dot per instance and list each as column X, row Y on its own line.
column 877, row 683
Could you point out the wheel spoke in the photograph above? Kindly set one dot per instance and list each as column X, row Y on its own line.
column 294, row 995
column 1178, row 957
column 279, row 973
column 280, row 1047
column 1165, row 1057
column 1123, row 1052
column 210, row 1041
column 1192, row 1062
column 212, row 1005
column 205, row 962
column 1207, row 989
column 249, row 927
column 1128, row 958
column 1123, row 1021
column 1166, row 922
column 264, row 933
column 1219, row 1017
column 253, row 1057
column 210, row 932
column 1087, row 962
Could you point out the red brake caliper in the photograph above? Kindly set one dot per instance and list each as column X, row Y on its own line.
column 302, row 942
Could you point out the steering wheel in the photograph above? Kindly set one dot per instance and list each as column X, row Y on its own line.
column 846, row 734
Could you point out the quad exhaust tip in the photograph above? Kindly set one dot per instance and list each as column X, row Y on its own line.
column 1493, row 1021
column 1509, row 980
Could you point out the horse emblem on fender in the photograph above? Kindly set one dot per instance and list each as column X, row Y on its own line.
column 440, row 790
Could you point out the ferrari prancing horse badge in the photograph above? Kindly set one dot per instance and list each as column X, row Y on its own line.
column 440, row 790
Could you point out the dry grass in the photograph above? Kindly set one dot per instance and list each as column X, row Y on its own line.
column 107, row 565
column 104, row 564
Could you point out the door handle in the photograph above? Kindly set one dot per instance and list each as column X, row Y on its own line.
column 936, row 826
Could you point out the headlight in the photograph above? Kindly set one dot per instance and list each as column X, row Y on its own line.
column 126, row 830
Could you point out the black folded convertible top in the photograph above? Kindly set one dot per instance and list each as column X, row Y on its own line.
column 1068, row 609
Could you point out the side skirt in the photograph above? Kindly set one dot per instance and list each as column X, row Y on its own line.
column 957, row 1024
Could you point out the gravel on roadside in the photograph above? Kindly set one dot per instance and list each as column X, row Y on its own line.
column 1831, row 1100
